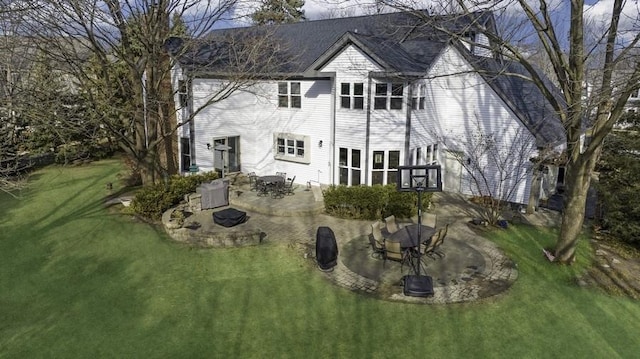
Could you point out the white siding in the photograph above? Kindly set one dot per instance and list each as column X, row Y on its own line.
column 253, row 115
column 351, row 66
column 461, row 106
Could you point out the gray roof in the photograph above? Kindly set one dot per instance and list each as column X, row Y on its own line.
column 402, row 43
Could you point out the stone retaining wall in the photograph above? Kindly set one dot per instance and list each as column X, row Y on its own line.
column 218, row 237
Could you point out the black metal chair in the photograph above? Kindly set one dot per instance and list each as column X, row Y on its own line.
column 277, row 190
column 288, row 186
column 262, row 188
column 253, row 181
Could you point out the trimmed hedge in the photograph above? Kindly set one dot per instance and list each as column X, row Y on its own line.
column 151, row 201
column 371, row 202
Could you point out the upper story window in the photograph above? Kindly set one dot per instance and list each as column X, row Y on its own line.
column 388, row 96
column 419, row 96
column 469, row 41
column 352, row 95
column 182, row 93
column 289, row 95
column 635, row 94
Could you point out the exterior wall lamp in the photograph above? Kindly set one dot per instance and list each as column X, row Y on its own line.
column 320, row 143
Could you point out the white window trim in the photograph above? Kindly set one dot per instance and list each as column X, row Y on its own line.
column 385, row 170
column 389, row 96
column 352, row 96
column 306, row 158
column 289, row 95
column 349, row 165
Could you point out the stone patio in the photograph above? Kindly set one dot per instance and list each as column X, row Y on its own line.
column 473, row 268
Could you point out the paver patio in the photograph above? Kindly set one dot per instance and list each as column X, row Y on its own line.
column 473, row 268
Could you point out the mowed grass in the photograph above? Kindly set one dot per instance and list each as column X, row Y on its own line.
column 77, row 281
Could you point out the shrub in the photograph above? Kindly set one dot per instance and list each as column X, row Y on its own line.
column 151, row 201
column 371, row 202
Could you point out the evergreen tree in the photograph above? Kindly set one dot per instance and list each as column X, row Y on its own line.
column 279, row 12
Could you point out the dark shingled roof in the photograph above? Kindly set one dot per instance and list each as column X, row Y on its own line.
column 401, row 42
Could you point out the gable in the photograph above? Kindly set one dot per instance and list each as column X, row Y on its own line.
column 352, row 60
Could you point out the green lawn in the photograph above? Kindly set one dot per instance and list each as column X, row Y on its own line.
column 77, row 281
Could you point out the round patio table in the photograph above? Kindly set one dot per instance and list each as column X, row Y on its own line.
column 408, row 235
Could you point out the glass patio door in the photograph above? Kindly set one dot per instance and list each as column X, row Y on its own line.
column 227, row 159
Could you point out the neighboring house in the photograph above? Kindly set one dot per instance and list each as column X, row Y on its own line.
column 633, row 104
column 361, row 97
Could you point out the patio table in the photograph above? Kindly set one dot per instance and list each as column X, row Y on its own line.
column 271, row 179
column 408, row 235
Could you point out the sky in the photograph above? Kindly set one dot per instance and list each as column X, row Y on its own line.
column 596, row 10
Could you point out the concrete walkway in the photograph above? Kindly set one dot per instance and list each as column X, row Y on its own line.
column 472, row 269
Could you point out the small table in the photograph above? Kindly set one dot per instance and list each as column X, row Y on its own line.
column 408, row 235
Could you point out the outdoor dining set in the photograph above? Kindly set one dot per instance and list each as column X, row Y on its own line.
column 276, row 186
column 409, row 243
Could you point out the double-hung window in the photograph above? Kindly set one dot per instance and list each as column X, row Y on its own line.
column 418, row 97
column 352, row 95
column 388, row 96
column 289, row 95
column 292, row 147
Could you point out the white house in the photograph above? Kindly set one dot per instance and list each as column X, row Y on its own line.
column 359, row 97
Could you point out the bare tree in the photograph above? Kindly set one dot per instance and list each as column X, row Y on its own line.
column 116, row 54
column 603, row 59
column 494, row 170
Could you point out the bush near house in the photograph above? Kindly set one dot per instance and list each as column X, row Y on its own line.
column 151, row 201
column 371, row 202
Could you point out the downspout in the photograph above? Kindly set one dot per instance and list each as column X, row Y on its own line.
column 332, row 142
column 407, row 131
column 192, row 125
column 367, row 157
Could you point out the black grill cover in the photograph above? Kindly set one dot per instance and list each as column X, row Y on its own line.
column 326, row 248
column 229, row 217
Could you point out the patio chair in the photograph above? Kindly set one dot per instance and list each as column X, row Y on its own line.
column 262, row 188
column 377, row 248
column 277, row 190
column 437, row 241
column 393, row 251
column 376, row 241
column 392, row 226
column 253, row 181
column 288, row 186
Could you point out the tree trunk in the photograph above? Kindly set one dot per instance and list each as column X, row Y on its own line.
column 534, row 193
column 577, row 181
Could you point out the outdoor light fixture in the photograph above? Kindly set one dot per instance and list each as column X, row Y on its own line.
column 208, row 146
column 320, row 143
